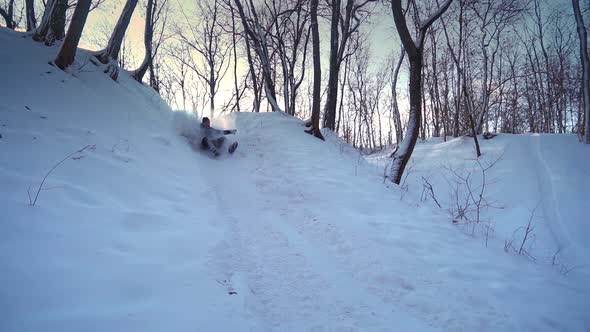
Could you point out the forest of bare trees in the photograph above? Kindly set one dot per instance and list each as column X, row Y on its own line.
column 452, row 68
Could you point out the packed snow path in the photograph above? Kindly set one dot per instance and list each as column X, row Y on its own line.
column 559, row 184
column 286, row 261
column 310, row 259
column 550, row 172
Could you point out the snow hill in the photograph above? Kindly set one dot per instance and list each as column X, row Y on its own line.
column 138, row 232
column 538, row 177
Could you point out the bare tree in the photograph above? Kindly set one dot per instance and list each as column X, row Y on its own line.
column 111, row 53
column 361, row 91
column 31, row 18
column 8, row 15
column 469, row 107
column 494, row 17
column 394, row 105
column 256, row 83
column 317, row 72
column 251, row 80
column 258, row 35
column 460, row 60
column 342, row 27
column 155, row 18
column 290, row 36
column 238, row 93
column 53, row 22
column 343, row 83
column 41, row 30
column 207, row 41
column 581, row 28
column 148, row 37
column 545, row 84
column 179, row 71
column 67, row 52
column 378, row 84
column 415, row 52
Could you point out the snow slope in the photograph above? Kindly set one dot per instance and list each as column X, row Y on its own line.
column 535, row 174
column 119, row 240
column 289, row 234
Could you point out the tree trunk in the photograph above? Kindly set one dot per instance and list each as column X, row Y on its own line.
column 41, row 30
column 256, row 102
column 582, row 35
column 111, row 52
column 57, row 23
column 550, row 127
column 258, row 37
column 415, row 52
column 31, row 20
column 67, row 52
column 457, row 61
column 233, row 37
column 434, row 90
column 154, row 80
column 332, row 93
column 8, row 15
column 396, row 113
column 148, row 37
column 342, row 86
column 332, row 96
column 212, row 94
column 267, row 72
column 469, row 107
column 402, row 156
column 53, row 24
column 317, row 72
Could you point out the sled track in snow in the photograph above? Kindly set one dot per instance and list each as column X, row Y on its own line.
column 276, row 269
column 290, row 277
column 550, row 206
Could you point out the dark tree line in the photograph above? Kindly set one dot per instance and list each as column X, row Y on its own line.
column 456, row 67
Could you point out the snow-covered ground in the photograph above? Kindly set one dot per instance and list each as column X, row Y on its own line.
column 537, row 177
column 138, row 232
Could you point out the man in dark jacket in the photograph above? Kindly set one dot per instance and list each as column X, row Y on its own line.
column 213, row 139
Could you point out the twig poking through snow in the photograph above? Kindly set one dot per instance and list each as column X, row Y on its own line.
column 428, row 190
column 32, row 202
column 469, row 195
column 528, row 235
column 528, row 230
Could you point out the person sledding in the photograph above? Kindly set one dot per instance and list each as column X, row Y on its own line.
column 213, row 139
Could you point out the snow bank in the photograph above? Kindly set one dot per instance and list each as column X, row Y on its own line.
column 534, row 176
